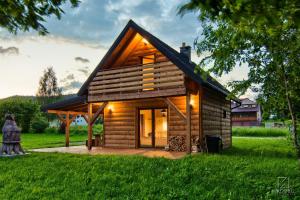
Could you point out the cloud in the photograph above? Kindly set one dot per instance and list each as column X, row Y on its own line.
column 84, row 70
column 9, row 50
column 73, row 85
column 69, row 77
column 81, row 59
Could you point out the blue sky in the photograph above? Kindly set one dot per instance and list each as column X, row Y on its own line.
column 79, row 40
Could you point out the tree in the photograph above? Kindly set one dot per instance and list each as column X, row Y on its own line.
column 48, row 90
column 20, row 15
column 24, row 111
column 262, row 34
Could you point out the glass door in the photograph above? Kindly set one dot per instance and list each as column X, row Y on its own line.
column 146, row 131
column 161, row 125
column 153, row 127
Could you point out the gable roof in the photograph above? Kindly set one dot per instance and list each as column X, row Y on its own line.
column 179, row 60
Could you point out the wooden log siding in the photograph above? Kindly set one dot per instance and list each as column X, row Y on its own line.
column 121, row 122
column 115, row 84
column 213, row 106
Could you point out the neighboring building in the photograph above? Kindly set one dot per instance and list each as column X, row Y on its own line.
column 246, row 114
column 149, row 96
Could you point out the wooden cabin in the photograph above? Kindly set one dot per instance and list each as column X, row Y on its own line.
column 149, row 96
column 248, row 113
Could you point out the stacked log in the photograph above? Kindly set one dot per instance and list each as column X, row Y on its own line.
column 177, row 143
column 11, row 137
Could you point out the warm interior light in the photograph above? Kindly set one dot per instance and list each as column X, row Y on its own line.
column 145, row 41
column 110, row 108
column 192, row 102
column 165, row 125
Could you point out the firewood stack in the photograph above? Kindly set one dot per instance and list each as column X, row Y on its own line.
column 11, row 137
column 177, row 143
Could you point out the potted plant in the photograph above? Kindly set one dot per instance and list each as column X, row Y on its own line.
column 98, row 133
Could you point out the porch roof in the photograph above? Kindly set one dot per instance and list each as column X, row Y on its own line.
column 75, row 103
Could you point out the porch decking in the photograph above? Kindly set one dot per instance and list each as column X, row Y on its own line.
column 113, row 151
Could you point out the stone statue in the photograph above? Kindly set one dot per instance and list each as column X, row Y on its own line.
column 11, row 137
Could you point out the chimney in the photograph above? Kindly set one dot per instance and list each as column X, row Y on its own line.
column 186, row 52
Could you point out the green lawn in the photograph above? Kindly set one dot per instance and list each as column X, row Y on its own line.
column 260, row 131
column 248, row 170
column 35, row 140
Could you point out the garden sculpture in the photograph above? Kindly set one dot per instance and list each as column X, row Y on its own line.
column 11, row 137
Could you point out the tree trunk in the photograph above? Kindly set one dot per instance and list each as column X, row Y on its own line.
column 292, row 113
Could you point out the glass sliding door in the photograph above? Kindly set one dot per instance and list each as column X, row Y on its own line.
column 153, row 127
column 161, row 127
column 146, row 128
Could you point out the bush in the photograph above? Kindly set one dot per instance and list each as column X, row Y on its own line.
column 259, row 132
column 51, row 130
column 39, row 124
column 24, row 111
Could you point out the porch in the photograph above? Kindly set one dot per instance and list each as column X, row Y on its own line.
column 147, row 152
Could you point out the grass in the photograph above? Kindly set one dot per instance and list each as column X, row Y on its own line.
column 248, row 170
column 260, row 132
column 36, row 140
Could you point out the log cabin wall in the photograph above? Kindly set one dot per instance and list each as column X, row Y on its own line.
column 216, row 116
column 176, row 125
column 121, row 120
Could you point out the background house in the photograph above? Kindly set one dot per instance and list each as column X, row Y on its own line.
column 247, row 114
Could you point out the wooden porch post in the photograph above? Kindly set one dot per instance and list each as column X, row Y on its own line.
column 90, row 125
column 188, row 123
column 67, row 129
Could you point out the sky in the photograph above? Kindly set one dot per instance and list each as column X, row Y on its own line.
column 77, row 42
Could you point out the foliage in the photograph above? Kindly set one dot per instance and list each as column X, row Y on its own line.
column 48, row 87
column 39, row 124
column 97, row 129
column 24, row 111
column 51, row 130
column 260, row 132
column 248, row 170
column 262, row 34
column 20, row 15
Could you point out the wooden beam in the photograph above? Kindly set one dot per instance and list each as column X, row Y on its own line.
column 61, row 118
column 65, row 112
column 188, row 122
column 101, row 108
column 200, row 114
column 141, row 95
column 177, row 83
column 72, row 119
column 174, row 107
column 67, row 129
column 90, row 125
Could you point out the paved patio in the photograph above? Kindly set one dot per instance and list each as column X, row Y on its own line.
column 114, row 151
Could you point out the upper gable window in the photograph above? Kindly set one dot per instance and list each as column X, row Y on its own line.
column 149, row 59
column 148, row 75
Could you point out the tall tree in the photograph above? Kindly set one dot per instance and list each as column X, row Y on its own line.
column 48, row 89
column 21, row 15
column 262, row 34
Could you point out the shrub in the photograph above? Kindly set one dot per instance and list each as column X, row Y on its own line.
column 51, row 130
column 24, row 111
column 259, row 132
column 39, row 124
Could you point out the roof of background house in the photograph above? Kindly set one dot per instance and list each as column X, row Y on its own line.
column 245, row 101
